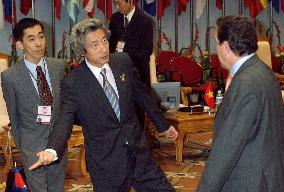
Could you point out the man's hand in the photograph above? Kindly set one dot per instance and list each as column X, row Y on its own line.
column 44, row 158
column 171, row 133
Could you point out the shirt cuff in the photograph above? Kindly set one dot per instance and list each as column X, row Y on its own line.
column 53, row 152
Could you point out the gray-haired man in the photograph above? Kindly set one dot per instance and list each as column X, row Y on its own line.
column 117, row 152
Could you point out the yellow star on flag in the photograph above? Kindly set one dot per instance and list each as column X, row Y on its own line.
column 210, row 94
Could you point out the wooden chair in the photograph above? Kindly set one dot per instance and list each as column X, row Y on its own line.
column 264, row 53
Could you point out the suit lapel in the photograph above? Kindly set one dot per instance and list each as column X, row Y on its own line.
column 27, row 83
column 120, row 80
column 100, row 101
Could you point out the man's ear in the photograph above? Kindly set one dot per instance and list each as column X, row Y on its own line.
column 227, row 48
column 19, row 45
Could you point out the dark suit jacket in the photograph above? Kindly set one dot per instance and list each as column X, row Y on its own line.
column 105, row 136
column 247, row 153
column 138, row 40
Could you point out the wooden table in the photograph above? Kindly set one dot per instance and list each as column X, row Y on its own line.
column 76, row 140
column 186, row 123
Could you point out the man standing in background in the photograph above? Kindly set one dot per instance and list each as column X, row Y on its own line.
column 132, row 32
column 32, row 95
column 247, row 152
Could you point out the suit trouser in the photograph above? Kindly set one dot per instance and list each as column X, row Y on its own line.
column 148, row 179
column 48, row 178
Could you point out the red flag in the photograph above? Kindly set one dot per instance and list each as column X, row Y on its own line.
column 101, row 5
column 246, row 3
column 57, row 4
column 209, row 97
column 282, row 5
column 255, row 7
column 162, row 5
column 26, row 5
column 89, row 7
column 219, row 4
column 108, row 8
column 182, row 4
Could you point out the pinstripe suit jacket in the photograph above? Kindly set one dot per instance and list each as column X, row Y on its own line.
column 22, row 102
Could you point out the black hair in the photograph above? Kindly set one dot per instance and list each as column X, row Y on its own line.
column 23, row 24
column 239, row 32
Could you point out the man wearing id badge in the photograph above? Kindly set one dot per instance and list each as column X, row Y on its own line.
column 32, row 95
column 132, row 32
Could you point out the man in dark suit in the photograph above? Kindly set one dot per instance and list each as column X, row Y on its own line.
column 247, row 152
column 132, row 32
column 102, row 92
column 30, row 112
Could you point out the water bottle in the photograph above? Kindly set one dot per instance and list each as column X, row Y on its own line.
column 218, row 100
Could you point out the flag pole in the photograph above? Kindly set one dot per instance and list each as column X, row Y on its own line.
column 271, row 22
column 240, row 7
column 53, row 28
column 33, row 9
column 176, row 26
column 208, row 22
column 159, row 34
column 223, row 10
column 191, row 23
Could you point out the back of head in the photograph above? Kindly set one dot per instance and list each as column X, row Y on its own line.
column 81, row 29
column 23, row 24
column 239, row 32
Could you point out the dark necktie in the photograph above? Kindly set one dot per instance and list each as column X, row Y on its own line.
column 110, row 93
column 126, row 22
column 44, row 92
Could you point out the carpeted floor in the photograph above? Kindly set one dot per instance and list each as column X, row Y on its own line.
column 184, row 177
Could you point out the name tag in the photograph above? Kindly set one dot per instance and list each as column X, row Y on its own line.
column 43, row 115
column 120, row 46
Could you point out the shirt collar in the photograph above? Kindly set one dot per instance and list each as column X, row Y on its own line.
column 239, row 63
column 130, row 14
column 32, row 66
column 96, row 70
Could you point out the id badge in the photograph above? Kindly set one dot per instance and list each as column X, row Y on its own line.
column 120, row 46
column 43, row 114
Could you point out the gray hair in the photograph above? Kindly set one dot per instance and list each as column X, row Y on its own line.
column 81, row 29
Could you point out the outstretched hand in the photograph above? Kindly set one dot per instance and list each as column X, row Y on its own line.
column 171, row 133
column 44, row 158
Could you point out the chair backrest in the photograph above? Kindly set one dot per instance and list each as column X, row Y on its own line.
column 186, row 70
column 276, row 67
column 164, row 59
column 152, row 64
column 4, row 119
column 264, row 52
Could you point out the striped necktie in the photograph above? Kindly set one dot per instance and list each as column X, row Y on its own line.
column 110, row 93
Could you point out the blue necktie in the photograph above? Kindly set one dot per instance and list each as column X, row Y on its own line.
column 110, row 93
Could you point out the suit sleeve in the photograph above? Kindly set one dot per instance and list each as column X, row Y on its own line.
column 231, row 137
column 143, row 97
column 10, row 99
column 64, row 123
